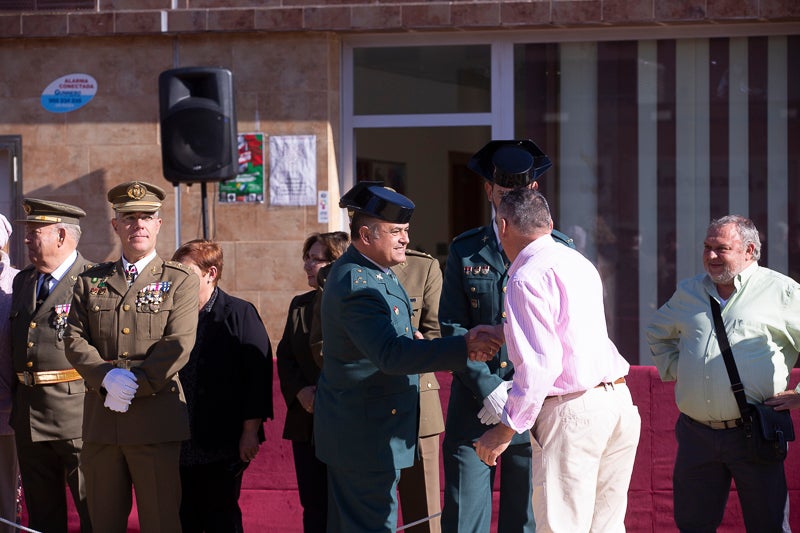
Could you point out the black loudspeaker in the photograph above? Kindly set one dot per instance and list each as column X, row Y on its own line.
column 198, row 125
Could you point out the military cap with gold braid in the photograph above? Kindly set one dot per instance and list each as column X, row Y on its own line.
column 49, row 212
column 136, row 196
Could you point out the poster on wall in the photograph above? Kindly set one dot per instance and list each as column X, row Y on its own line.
column 293, row 170
column 248, row 185
column 68, row 93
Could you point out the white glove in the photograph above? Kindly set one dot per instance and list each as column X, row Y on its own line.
column 115, row 404
column 121, row 384
column 494, row 403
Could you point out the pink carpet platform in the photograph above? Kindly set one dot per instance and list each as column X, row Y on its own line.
column 270, row 504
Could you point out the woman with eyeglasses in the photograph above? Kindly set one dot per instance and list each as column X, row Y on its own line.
column 298, row 370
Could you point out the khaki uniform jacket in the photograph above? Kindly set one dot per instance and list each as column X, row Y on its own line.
column 44, row 412
column 151, row 326
column 421, row 277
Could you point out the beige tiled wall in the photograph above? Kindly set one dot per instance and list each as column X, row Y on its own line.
column 285, row 84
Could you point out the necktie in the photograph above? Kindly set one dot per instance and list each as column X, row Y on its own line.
column 131, row 274
column 44, row 290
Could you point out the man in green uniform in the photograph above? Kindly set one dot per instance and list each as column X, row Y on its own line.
column 365, row 410
column 47, row 409
column 131, row 328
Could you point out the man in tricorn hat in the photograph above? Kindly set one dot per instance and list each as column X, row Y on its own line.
column 472, row 294
column 47, row 410
column 365, row 411
column 131, row 328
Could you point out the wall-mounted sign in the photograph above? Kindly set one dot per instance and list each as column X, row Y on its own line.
column 69, row 93
column 293, row 170
column 248, row 185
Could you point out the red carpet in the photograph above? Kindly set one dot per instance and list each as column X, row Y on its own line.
column 270, row 504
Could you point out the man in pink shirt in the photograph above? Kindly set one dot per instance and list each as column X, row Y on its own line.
column 569, row 386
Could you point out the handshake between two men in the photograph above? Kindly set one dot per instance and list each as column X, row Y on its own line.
column 484, row 341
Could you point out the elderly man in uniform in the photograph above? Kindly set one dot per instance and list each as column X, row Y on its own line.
column 47, row 408
column 366, row 407
column 419, row 487
column 474, row 287
column 131, row 328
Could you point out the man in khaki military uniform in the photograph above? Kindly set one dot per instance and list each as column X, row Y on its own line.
column 47, row 409
column 129, row 332
column 420, row 495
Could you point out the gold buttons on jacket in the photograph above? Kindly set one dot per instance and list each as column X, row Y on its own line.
column 33, row 325
column 29, row 364
column 504, row 289
column 126, row 307
column 96, row 308
column 125, row 331
column 504, row 364
column 504, row 314
column 394, row 411
column 31, row 344
column 124, row 354
column 472, row 289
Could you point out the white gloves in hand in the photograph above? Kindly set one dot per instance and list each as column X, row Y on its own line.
column 115, row 404
column 120, row 385
column 494, row 403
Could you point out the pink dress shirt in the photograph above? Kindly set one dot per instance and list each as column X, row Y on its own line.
column 555, row 330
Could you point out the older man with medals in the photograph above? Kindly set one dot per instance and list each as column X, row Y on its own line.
column 47, row 409
column 131, row 328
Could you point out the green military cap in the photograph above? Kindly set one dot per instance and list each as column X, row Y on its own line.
column 49, row 212
column 136, row 196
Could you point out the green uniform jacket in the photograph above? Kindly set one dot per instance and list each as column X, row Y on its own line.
column 44, row 412
column 365, row 411
column 153, row 327
column 421, row 277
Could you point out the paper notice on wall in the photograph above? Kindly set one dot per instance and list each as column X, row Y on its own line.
column 293, row 170
column 323, row 207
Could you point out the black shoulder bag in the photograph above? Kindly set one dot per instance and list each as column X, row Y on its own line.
column 767, row 430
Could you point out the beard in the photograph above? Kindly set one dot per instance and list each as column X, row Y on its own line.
column 726, row 276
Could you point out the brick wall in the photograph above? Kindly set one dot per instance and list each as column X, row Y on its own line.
column 54, row 18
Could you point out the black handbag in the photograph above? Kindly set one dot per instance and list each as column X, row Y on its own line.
column 767, row 431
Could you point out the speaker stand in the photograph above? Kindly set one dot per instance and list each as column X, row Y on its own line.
column 204, row 208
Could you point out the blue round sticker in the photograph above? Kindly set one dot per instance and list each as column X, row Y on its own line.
column 69, row 93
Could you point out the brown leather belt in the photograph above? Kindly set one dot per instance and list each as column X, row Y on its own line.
column 606, row 384
column 719, row 424
column 619, row 381
column 126, row 364
column 47, row 377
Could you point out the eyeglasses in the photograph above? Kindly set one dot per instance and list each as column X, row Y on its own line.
column 314, row 260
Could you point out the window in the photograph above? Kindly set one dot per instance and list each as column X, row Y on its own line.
column 651, row 137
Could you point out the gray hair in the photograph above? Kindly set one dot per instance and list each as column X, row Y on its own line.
column 73, row 230
column 746, row 229
column 525, row 209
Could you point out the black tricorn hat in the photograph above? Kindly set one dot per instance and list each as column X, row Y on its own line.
column 373, row 199
column 510, row 164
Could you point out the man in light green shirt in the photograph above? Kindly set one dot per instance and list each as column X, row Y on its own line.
column 761, row 313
